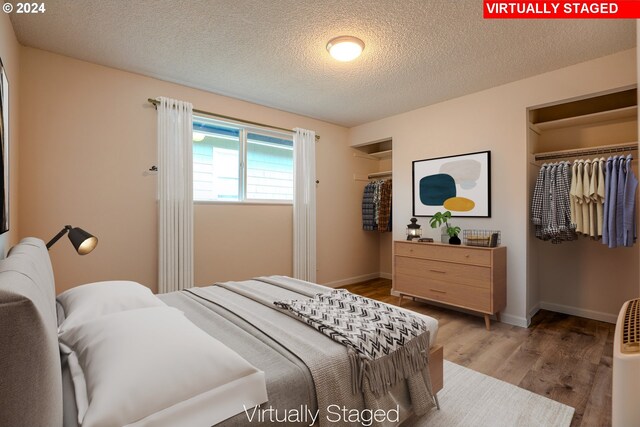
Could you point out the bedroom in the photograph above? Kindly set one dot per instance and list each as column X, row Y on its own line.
column 83, row 134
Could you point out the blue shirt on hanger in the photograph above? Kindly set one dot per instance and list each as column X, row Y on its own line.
column 607, row 198
column 612, row 202
column 622, row 177
column 629, row 205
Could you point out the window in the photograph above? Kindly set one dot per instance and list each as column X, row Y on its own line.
column 237, row 163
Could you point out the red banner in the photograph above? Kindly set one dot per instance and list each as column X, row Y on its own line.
column 621, row 9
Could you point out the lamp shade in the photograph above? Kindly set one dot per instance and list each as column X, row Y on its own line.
column 81, row 240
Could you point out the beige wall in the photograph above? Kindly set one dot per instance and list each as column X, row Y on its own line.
column 224, row 251
column 10, row 54
column 496, row 120
column 89, row 134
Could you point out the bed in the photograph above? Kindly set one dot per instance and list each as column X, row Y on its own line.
column 282, row 363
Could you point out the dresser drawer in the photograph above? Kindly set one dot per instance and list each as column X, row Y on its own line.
column 471, row 275
column 444, row 253
column 450, row 293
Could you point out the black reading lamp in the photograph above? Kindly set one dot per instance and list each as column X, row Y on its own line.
column 81, row 240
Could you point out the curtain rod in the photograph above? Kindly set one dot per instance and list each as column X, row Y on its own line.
column 155, row 102
column 587, row 151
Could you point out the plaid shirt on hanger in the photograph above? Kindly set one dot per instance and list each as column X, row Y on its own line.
column 551, row 204
column 567, row 227
column 536, row 204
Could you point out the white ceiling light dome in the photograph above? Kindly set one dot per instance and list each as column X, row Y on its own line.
column 345, row 48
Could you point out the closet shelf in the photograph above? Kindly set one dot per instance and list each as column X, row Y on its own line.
column 378, row 155
column 604, row 116
column 379, row 174
column 386, row 154
column 587, row 151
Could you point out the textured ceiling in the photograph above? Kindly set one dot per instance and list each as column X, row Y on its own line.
column 272, row 52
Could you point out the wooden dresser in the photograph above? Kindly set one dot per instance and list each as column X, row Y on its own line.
column 469, row 277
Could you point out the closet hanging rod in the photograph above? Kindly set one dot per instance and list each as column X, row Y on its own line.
column 155, row 103
column 588, row 151
column 379, row 174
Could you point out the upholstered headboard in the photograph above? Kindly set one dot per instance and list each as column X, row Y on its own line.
column 30, row 373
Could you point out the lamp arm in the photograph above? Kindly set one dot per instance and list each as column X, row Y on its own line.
column 58, row 236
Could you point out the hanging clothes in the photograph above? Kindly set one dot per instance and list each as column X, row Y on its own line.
column 384, row 214
column 573, row 194
column 629, row 226
column 622, row 177
column 620, row 203
column 611, row 201
column 607, row 197
column 594, row 197
column 368, row 208
column 579, row 192
column 585, row 198
column 376, row 201
column 376, row 206
column 551, row 211
column 592, row 194
column 600, row 196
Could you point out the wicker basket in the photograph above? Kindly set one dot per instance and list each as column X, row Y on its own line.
column 484, row 238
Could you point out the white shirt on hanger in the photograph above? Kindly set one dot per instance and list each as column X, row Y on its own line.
column 579, row 193
column 573, row 194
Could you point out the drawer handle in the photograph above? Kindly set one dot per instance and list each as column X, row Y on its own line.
column 438, row 291
column 438, row 271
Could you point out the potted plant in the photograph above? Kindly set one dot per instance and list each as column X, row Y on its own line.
column 440, row 218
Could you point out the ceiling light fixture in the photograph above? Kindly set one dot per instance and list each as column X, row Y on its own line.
column 345, row 48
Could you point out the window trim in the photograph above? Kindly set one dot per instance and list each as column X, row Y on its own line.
column 244, row 131
column 246, row 202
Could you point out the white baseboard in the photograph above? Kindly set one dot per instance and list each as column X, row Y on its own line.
column 504, row 317
column 510, row 319
column 532, row 312
column 352, row 280
column 581, row 312
column 386, row 275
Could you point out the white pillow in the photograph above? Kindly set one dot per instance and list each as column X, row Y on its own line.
column 141, row 365
column 88, row 302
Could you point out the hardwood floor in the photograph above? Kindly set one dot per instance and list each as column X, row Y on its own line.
column 565, row 358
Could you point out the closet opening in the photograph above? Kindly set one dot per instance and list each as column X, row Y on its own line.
column 578, row 274
column 374, row 176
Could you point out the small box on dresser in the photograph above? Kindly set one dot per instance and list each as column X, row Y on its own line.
column 469, row 277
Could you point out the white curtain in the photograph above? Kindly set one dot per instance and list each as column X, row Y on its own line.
column 175, row 185
column 304, row 205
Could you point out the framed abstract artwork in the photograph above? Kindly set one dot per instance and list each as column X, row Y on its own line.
column 460, row 184
column 4, row 150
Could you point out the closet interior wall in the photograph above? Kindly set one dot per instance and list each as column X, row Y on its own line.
column 582, row 277
column 376, row 157
column 385, row 239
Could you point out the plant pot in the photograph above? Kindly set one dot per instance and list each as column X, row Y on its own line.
column 444, row 236
column 454, row 240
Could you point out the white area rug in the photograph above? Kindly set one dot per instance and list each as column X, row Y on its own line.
column 471, row 399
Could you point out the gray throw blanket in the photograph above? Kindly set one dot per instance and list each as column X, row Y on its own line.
column 386, row 345
column 327, row 360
